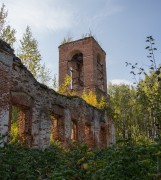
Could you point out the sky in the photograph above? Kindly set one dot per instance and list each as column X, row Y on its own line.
column 119, row 26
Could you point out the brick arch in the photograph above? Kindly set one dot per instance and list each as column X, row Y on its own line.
column 73, row 52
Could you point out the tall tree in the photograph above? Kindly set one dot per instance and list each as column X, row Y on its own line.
column 149, row 92
column 31, row 57
column 131, row 114
column 122, row 104
column 3, row 16
column 29, row 53
column 7, row 33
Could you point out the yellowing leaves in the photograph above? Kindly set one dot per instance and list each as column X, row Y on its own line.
column 90, row 154
column 85, row 166
column 89, row 96
column 80, row 161
column 64, row 87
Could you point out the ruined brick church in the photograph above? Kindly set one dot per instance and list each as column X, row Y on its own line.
column 44, row 113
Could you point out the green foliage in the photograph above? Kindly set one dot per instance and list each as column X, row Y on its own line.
column 137, row 110
column 132, row 113
column 122, row 101
column 148, row 93
column 79, row 162
column 7, row 33
column 3, row 16
column 44, row 75
column 31, row 57
column 54, row 83
column 29, row 53
column 14, row 125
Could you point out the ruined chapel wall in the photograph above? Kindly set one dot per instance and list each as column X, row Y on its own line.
column 46, row 102
column 40, row 103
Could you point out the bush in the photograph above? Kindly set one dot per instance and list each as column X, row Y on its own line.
column 79, row 162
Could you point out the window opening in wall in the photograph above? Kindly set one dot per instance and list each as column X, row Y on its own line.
column 57, row 129
column 74, row 132
column 88, row 133
column 54, row 136
column 103, row 137
column 100, row 75
column 76, row 71
column 20, row 127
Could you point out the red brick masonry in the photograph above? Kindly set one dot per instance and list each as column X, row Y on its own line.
column 42, row 112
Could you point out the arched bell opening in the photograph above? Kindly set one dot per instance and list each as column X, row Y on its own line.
column 76, row 71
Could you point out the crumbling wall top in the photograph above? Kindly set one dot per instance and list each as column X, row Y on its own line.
column 5, row 47
column 84, row 39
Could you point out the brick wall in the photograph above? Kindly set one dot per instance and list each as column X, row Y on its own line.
column 90, row 50
column 40, row 106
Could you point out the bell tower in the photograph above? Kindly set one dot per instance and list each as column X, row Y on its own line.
column 85, row 61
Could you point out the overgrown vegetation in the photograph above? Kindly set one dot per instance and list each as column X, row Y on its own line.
column 137, row 110
column 89, row 96
column 31, row 57
column 14, row 125
column 79, row 162
column 7, row 33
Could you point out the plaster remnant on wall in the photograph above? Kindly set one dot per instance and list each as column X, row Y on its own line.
column 4, row 123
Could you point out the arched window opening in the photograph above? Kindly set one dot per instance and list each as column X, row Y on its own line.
column 76, row 71
column 100, row 75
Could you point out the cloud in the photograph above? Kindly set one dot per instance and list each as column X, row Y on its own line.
column 54, row 15
column 110, row 8
column 40, row 15
column 120, row 81
column 98, row 15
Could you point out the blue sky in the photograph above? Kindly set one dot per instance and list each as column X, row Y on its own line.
column 120, row 26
